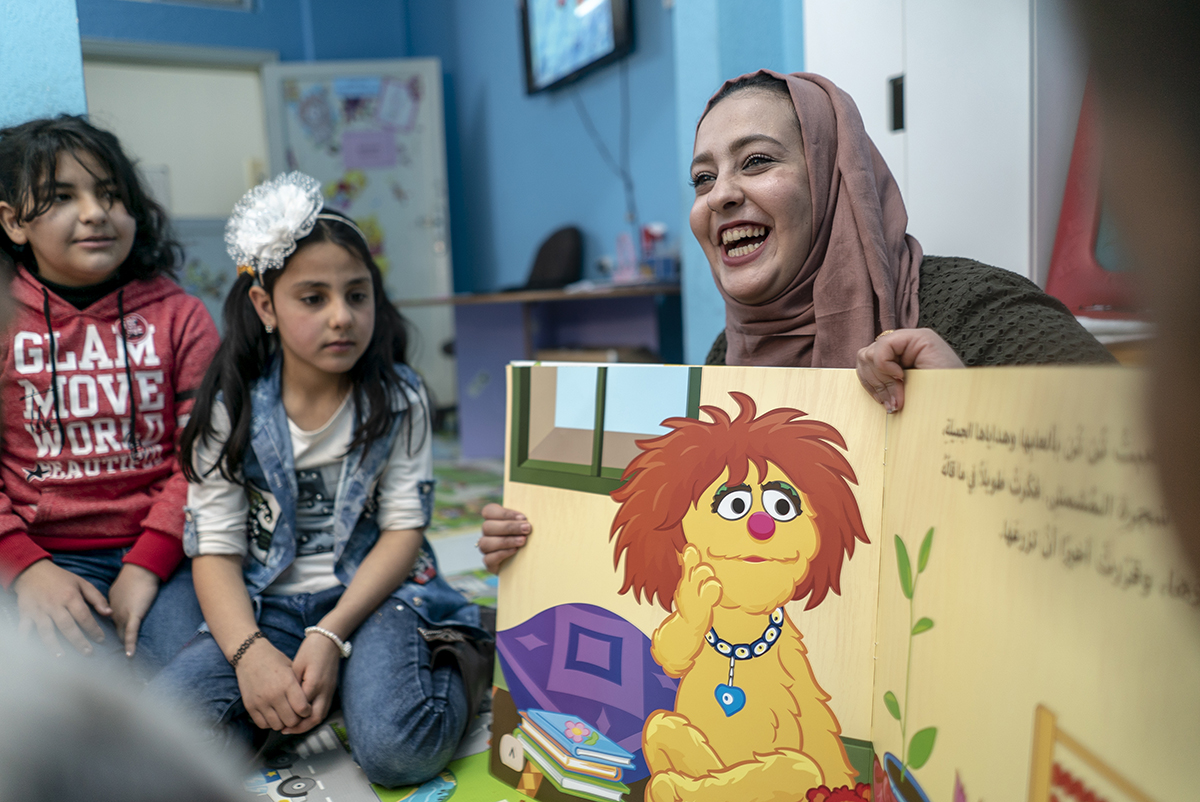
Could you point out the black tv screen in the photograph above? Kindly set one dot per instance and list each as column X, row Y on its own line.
column 566, row 38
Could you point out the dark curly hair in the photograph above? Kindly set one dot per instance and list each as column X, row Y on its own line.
column 668, row 477
column 28, row 160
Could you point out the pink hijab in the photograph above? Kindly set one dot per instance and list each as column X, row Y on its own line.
column 860, row 276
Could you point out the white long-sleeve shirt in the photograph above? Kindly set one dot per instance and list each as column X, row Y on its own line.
column 231, row 519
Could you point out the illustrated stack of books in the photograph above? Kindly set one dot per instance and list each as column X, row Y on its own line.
column 574, row 755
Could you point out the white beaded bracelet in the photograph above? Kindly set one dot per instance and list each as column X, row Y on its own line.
column 343, row 646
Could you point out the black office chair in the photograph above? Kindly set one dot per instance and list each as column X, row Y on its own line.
column 559, row 261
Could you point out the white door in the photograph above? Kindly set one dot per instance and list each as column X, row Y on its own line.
column 992, row 94
column 372, row 133
column 969, row 118
column 859, row 45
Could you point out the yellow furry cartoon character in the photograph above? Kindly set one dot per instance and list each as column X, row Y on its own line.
column 725, row 522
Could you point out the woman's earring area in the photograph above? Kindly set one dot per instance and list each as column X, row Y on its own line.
column 270, row 329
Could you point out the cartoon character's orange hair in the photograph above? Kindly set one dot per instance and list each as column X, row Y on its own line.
column 671, row 472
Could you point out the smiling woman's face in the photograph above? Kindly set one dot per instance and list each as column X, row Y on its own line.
column 753, row 210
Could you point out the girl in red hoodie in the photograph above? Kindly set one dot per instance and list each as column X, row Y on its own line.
column 100, row 363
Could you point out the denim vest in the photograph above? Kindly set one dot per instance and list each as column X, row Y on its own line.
column 268, row 464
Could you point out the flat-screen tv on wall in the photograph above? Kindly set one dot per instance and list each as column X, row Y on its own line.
column 565, row 39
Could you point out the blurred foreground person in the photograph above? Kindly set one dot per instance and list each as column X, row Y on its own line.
column 1145, row 58
column 76, row 729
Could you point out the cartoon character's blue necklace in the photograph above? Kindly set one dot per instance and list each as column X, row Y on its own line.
column 731, row 698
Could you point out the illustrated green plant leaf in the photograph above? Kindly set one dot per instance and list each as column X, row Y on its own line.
column 921, row 747
column 924, row 625
column 923, row 556
column 893, row 706
column 592, row 739
column 905, row 566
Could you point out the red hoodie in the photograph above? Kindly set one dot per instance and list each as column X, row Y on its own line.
column 72, row 478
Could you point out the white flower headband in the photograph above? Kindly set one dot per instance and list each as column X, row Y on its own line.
column 266, row 223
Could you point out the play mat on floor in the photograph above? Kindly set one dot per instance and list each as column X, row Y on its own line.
column 463, row 488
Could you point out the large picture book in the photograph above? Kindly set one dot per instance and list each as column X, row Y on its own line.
column 753, row 584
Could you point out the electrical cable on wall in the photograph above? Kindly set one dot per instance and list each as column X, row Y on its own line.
column 621, row 168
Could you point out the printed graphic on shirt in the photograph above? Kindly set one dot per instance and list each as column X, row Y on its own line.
column 136, row 328
column 260, row 521
column 78, row 401
column 314, row 509
column 315, row 504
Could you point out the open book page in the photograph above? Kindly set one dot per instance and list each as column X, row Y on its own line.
column 1057, row 634
column 649, row 645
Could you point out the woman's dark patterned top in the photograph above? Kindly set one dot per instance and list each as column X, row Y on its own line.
column 991, row 316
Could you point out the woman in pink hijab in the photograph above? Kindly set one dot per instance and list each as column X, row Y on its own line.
column 806, row 234
column 802, row 223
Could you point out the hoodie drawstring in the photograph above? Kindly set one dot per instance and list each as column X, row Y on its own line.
column 135, row 446
column 62, row 431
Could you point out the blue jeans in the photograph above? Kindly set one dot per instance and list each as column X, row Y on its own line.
column 403, row 716
column 170, row 622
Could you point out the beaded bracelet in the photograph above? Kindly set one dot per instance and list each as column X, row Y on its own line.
column 343, row 646
column 233, row 661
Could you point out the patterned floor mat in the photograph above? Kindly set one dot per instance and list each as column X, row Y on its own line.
column 463, row 489
column 319, row 767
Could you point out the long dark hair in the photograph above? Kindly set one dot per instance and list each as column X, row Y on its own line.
column 28, row 159
column 247, row 350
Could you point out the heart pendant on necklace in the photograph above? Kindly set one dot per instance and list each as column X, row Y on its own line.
column 730, row 698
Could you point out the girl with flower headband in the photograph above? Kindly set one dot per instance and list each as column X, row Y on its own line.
column 310, row 456
column 100, row 365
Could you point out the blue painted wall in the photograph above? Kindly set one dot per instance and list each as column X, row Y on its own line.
column 39, row 61
column 522, row 165
column 519, row 166
column 297, row 29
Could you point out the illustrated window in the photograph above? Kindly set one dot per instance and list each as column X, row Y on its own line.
column 577, row 426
